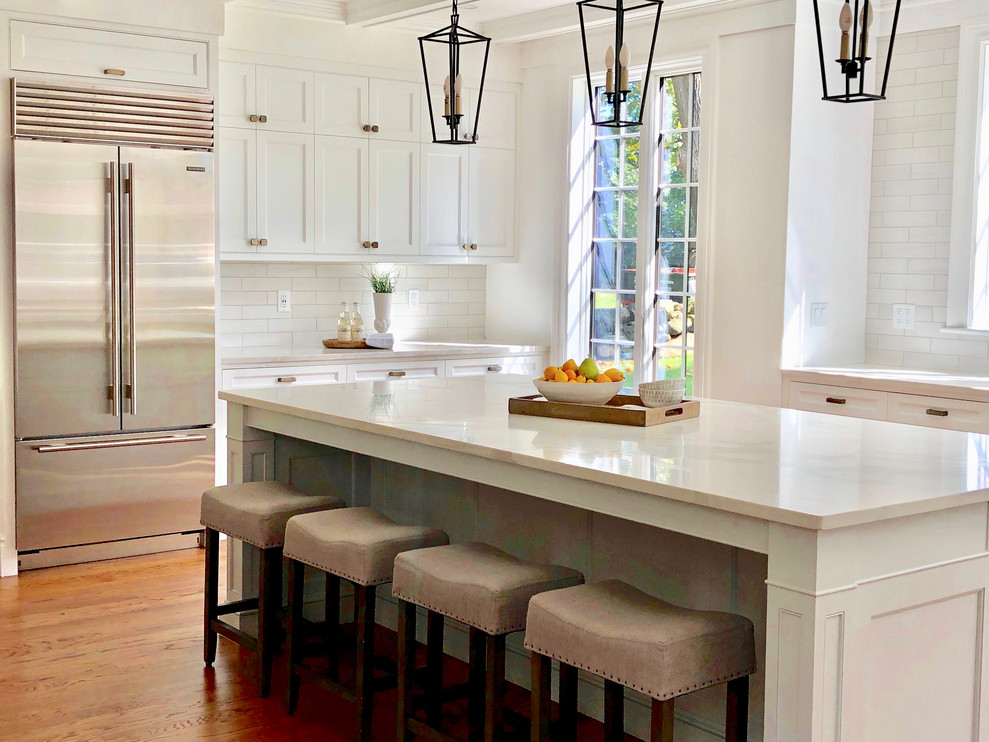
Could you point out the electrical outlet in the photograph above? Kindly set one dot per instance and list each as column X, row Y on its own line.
column 413, row 300
column 903, row 317
column 819, row 314
column 284, row 301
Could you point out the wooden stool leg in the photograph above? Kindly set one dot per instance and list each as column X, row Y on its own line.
column 614, row 711
column 406, row 665
column 294, row 641
column 737, row 710
column 211, row 594
column 475, row 703
column 542, row 675
column 494, row 687
column 331, row 626
column 365, row 601
column 567, row 731
column 269, row 603
column 662, row 721
column 434, row 668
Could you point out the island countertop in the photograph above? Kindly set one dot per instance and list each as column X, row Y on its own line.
column 797, row 468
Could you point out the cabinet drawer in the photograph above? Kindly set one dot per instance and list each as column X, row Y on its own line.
column 264, row 378
column 86, row 52
column 530, row 366
column 935, row 412
column 397, row 371
column 836, row 400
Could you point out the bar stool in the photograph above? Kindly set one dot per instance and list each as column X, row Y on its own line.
column 489, row 591
column 256, row 513
column 634, row 640
column 360, row 546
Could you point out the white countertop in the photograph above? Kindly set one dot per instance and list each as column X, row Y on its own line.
column 800, row 468
column 306, row 355
column 974, row 388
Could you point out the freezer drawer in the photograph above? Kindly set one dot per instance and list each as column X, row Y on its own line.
column 73, row 491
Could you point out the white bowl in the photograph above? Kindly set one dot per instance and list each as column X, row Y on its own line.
column 597, row 394
column 663, row 393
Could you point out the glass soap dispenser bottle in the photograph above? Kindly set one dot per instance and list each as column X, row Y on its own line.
column 343, row 324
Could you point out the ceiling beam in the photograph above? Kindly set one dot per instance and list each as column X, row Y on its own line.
column 374, row 12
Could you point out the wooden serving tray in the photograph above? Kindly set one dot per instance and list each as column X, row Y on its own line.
column 622, row 410
column 341, row 345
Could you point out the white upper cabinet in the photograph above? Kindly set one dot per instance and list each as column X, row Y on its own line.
column 342, row 192
column 395, row 108
column 107, row 55
column 237, row 165
column 444, row 195
column 342, row 105
column 285, row 99
column 238, row 99
column 394, row 203
column 498, row 119
column 492, row 201
column 286, row 192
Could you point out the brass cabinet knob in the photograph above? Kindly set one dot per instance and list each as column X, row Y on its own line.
column 375, row 129
column 472, row 247
column 264, row 243
column 466, row 246
column 254, row 118
column 254, row 242
column 367, row 245
column 367, row 127
column 374, row 245
column 263, row 119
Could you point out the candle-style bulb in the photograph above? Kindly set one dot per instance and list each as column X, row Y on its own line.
column 458, row 85
column 845, row 23
column 866, row 17
column 446, row 96
column 446, row 86
column 609, row 62
column 625, row 57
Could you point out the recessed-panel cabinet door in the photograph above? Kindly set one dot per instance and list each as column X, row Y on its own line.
column 444, row 199
column 395, row 110
column 342, row 105
column 286, row 183
column 394, row 178
column 492, row 201
column 497, row 120
column 238, row 101
column 342, row 194
column 285, row 98
column 237, row 165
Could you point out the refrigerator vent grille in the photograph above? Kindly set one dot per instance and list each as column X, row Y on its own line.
column 99, row 115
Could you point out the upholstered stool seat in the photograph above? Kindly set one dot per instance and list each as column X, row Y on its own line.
column 359, row 545
column 256, row 513
column 634, row 640
column 489, row 591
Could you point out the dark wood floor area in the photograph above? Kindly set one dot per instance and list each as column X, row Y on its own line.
column 112, row 652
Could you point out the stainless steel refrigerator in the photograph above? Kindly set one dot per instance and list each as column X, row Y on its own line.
column 115, row 337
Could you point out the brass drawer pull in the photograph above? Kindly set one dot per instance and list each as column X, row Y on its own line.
column 396, row 374
column 495, row 369
column 836, row 400
column 286, row 379
column 114, row 72
column 937, row 413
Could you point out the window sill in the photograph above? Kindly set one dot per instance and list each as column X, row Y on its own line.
column 965, row 331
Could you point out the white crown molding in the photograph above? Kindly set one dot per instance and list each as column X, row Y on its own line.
column 330, row 10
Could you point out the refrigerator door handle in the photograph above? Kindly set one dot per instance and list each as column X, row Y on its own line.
column 131, row 304
column 114, row 270
column 99, row 445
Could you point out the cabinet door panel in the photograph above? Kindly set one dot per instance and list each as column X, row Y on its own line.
column 341, row 105
column 238, row 181
column 444, row 199
column 285, row 96
column 342, row 193
column 498, row 119
column 395, row 109
column 492, row 201
column 394, row 178
column 238, row 100
column 286, row 201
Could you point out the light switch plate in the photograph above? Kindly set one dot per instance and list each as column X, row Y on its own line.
column 819, row 314
column 904, row 317
column 284, row 301
column 413, row 300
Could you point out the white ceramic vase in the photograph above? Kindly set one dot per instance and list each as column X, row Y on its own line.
column 382, row 312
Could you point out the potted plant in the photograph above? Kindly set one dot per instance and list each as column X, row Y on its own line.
column 383, row 283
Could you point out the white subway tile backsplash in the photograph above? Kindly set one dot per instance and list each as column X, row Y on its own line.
column 452, row 302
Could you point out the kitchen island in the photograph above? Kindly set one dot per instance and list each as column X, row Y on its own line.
column 859, row 548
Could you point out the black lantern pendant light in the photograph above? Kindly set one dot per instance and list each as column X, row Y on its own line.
column 612, row 107
column 457, row 39
column 855, row 23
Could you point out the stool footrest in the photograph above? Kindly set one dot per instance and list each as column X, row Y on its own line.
column 347, row 692
column 248, row 641
column 238, row 606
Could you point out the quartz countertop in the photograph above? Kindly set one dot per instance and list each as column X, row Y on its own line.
column 799, row 468
column 974, row 388
column 307, row 355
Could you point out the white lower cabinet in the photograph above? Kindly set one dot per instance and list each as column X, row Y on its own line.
column 531, row 366
column 397, row 371
column 834, row 400
column 267, row 378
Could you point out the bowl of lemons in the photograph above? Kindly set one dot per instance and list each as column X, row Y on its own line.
column 580, row 384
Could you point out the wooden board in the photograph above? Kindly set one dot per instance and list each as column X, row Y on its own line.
column 622, row 410
column 341, row 345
